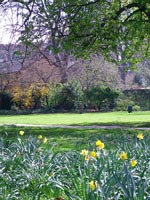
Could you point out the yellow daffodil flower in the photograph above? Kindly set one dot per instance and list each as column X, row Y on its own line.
column 87, row 157
column 45, row 140
column 140, row 136
column 93, row 185
column 93, row 154
column 133, row 163
column 84, row 152
column 40, row 137
column 123, row 156
column 98, row 142
column 21, row 133
column 101, row 146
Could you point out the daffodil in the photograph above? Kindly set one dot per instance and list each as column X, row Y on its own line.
column 93, row 154
column 21, row 133
column 140, row 136
column 84, row 152
column 133, row 163
column 40, row 137
column 87, row 157
column 123, row 156
column 100, row 144
column 93, row 185
column 45, row 140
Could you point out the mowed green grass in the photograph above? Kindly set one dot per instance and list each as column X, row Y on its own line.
column 109, row 118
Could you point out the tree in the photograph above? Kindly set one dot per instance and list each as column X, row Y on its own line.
column 97, row 70
column 142, row 76
column 86, row 26
column 106, row 26
column 117, row 29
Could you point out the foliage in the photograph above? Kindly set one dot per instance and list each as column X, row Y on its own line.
column 122, row 105
column 118, row 170
column 87, row 26
column 123, row 102
column 29, row 98
column 65, row 139
column 115, row 174
column 71, row 96
column 140, row 96
column 27, row 171
column 67, row 96
column 5, row 101
column 52, row 97
column 136, row 108
column 101, row 97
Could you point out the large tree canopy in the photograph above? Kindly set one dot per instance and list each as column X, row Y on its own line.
column 118, row 29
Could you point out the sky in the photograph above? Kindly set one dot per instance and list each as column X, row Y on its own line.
column 6, row 28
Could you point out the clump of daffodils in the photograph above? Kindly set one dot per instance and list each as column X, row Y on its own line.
column 100, row 144
column 93, row 154
column 87, row 155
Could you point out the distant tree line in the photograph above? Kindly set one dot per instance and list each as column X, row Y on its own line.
column 72, row 96
column 69, row 96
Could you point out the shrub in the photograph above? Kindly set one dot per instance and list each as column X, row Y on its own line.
column 101, row 97
column 71, row 96
column 123, row 102
column 136, row 108
column 5, row 101
column 29, row 98
column 66, row 96
column 140, row 96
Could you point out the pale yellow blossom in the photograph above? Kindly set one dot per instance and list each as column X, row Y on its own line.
column 21, row 133
column 123, row 156
column 133, row 163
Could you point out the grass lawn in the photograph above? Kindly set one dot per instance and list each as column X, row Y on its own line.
column 109, row 118
column 63, row 139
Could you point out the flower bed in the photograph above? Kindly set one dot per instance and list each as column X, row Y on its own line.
column 30, row 171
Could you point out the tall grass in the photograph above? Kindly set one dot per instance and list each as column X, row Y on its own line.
column 29, row 171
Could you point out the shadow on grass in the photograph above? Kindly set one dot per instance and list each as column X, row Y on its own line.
column 64, row 139
column 126, row 124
